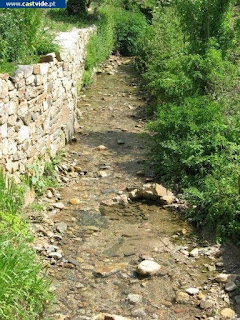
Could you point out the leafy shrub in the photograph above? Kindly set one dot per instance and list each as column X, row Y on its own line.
column 186, row 138
column 129, row 29
column 22, row 36
column 196, row 147
column 190, row 63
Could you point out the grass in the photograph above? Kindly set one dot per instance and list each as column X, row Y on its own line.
column 42, row 175
column 58, row 20
column 23, row 286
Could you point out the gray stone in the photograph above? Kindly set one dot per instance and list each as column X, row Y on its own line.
column 148, row 268
column 194, row 253
column 192, row 291
column 59, row 205
column 182, row 297
column 134, row 298
column 27, row 70
column 23, row 134
column 230, row 286
column 55, row 255
column 61, row 227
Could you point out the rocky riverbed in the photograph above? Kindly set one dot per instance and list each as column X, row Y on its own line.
column 111, row 257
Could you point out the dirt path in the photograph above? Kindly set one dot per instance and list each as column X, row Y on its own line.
column 97, row 248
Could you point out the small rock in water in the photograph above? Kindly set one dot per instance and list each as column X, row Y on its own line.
column 58, row 205
column 75, row 201
column 139, row 313
column 148, row 268
column 120, row 141
column 207, row 304
column 211, row 268
column 194, row 253
column 228, row 313
column 222, row 277
column 101, row 148
column 55, row 255
column 230, row 286
column 185, row 252
column 134, row 298
column 133, row 194
column 182, row 297
column 109, row 270
column 61, row 227
column 102, row 174
column 154, row 191
column 192, row 291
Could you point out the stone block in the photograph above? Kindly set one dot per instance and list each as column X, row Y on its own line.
column 3, row 89
column 27, row 70
column 23, row 134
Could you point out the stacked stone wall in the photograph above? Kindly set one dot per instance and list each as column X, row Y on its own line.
column 37, row 104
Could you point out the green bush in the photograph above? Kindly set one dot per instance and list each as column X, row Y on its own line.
column 190, row 65
column 195, row 147
column 130, row 26
column 22, row 36
column 186, row 137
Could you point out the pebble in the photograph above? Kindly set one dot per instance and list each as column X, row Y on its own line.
column 222, row 277
column 61, row 227
column 185, row 252
column 134, row 298
column 182, row 297
column 101, row 148
column 58, row 205
column 207, row 304
column 75, row 201
column 194, row 253
column 230, row 286
column 192, row 291
column 109, row 270
column 148, row 268
column 120, row 141
column 228, row 313
column 140, row 313
column 211, row 268
column 102, row 174
column 55, row 255
column 49, row 194
column 51, row 248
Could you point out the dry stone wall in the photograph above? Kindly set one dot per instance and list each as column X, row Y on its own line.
column 37, row 104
